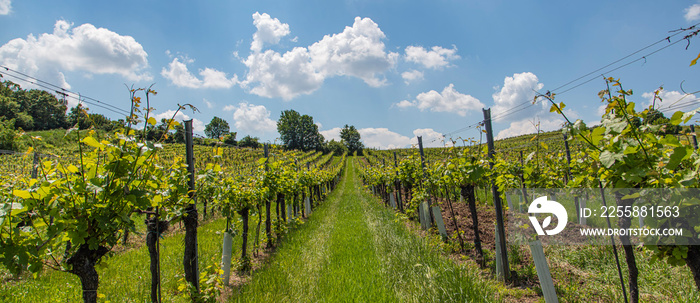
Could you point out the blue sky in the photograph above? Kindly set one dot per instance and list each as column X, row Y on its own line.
column 393, row 69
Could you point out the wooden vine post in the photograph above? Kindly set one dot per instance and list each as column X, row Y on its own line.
column 190, row 260
column 268, row 204
column 500, row 229
column 397, row 185
column 523, row 189
column 427, row 209
column 568, row 177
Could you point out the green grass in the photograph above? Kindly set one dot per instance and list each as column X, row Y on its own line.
column 354, row 250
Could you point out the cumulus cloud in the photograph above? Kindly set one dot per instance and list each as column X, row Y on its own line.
column 332, row 134
column 197, row 125
column 600, row 111
column 430, row 138
column 208, row 104
column 269, row 31
column 411, row 76
column 253, row 118
column 449, row 100
column 513, row 103
column 84, row 48
column 358, row 51
column 383, row 138
column 692, row 13
column 512, row 98
column 216, row 79
column 670, row 101
column 5, row 7
column 527, row 126
column 435, row 58
column 287, row 76
column 178, row 74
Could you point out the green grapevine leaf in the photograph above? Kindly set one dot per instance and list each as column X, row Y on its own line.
column 608, row 158
column 679, row 153
column 22, row 194
column 92, row 142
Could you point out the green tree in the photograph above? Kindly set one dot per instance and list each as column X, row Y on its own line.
column 7, row 135
column 216, row 128
column 179, row 136
column 230, row 139
column 299, row 131
column 249, row 141
column 11, row 109
column 79, row 116
column 656, row 117
column 32, row 109
column 336, row 147
column 351, row 138
column 47, row 111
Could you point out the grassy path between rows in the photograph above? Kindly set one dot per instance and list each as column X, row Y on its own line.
column 352, row 249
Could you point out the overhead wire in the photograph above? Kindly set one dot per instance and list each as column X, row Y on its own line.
column 65, row 93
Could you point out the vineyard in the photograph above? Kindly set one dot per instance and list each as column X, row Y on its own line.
column 68, row 213
column 115, row 217
column 497, row 181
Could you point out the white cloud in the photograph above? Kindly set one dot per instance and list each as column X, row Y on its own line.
column 405, row 104
column 383, row 138
column 84, row 48
column 5, row 7
column 208, row 104
column 217, row 79
column 253, row 118
column 357, row 51
column 435, row 58
column 281, row 76
column 514, row 94
column 430, row 138
column 197, row 125
column 411, row 76
column 673, row 99
column 600, row 111
column 178, row 74
column 692, row 13
column 268, row 31
column 526, row 126
column 230, row 107
column 332, row 134
column 449, row 100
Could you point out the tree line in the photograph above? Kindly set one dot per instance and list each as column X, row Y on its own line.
column 296, row 131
